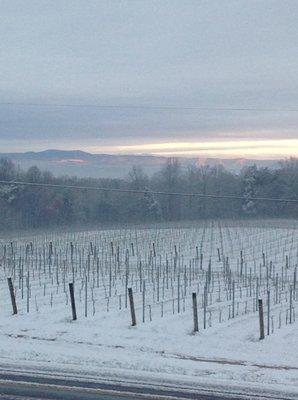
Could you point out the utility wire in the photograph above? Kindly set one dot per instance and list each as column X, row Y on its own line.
column 137, row 191
column 149, row 107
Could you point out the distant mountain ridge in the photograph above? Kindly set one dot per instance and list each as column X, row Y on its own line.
column 83, row 164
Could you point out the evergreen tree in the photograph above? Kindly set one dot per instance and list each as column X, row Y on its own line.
column 249, row 181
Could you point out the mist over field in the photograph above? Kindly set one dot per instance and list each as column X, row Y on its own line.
column 87, row 165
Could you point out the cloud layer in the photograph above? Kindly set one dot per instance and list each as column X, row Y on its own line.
column 216, row 54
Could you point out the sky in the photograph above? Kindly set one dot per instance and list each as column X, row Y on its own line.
column 161, row 77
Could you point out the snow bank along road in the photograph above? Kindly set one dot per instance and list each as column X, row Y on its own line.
column 228, row 264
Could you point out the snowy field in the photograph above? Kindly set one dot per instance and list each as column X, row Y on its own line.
column 228, row 264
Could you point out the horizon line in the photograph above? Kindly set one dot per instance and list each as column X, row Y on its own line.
column 155, row 155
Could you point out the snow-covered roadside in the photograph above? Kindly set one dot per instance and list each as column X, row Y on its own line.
column 164, row 351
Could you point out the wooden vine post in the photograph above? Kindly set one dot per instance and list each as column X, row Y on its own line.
column 72, row 301
column 261, row 319
column 132, row 308
column 12, row 296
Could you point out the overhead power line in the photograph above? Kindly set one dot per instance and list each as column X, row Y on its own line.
column 149, row 107
column 143, row 191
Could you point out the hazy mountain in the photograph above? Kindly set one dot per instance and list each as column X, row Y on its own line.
column 82, row 164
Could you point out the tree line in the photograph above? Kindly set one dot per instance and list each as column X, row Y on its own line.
column 38, row 207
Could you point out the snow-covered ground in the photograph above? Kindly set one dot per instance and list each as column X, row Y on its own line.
column 227, row 352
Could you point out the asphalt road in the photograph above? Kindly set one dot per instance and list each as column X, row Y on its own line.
column 22, row 386
column 14, row 386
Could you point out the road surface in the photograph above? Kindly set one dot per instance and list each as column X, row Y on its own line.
column 21, row 386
